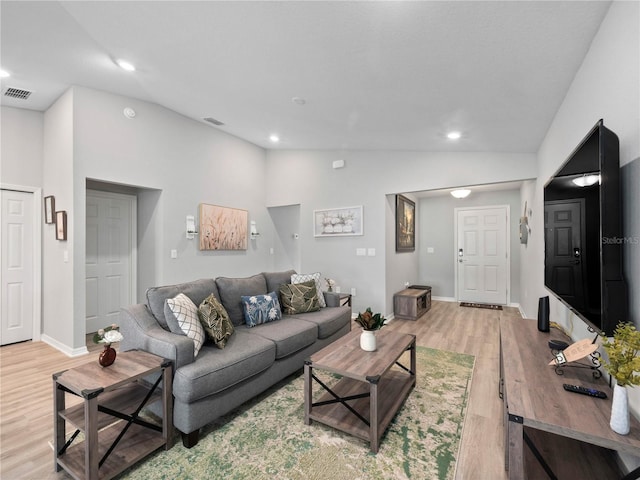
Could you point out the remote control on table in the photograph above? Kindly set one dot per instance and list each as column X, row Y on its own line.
column 592, row 392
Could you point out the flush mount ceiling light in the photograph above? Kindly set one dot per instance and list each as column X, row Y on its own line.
column 4, row 74
column 461, row 193
column 123, row 64
column 586, row 180
column 454, row 135
column 274, row 138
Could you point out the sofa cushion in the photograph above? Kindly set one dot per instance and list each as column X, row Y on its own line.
column 216, row 370
column 289, row 335
column 275, row 279
column 260, row 309
column 306, row 277
column 215, row 321
column 232, row 289
column 327, row 320
column 186, row 314
column 197, row 291
column 299, row 297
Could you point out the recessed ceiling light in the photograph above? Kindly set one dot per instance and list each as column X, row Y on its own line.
column 461, row 193
column 274, row 138
column 454, row 135
column 4, row 74
column 123, row 64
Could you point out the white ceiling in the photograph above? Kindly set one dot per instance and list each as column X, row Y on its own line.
column 375, row 75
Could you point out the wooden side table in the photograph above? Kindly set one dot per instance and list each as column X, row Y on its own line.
column 115, row 437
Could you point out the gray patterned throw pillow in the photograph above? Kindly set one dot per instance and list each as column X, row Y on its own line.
column 186, row 314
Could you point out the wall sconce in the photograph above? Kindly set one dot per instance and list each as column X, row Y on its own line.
column 253, row 230
column 191, row 227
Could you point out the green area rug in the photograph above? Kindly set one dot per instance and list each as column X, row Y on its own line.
column 267, row 437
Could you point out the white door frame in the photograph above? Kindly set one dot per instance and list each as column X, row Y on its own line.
column 507, row 245
column 37, row 253
column 133, row 229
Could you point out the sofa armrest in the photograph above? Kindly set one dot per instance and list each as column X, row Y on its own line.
column 332, row 299
column 141, row 331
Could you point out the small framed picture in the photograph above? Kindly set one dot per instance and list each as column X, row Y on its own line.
column 405, row 224
column 49, row 209
column 61, row 225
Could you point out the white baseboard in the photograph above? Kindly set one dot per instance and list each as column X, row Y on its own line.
column 444, row 299
column 69, row 352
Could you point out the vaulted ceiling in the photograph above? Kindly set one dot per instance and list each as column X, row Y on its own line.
column 319, row 74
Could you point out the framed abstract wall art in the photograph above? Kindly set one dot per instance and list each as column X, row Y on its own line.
column 405, row 224
column 338, row 222
column 222, row 228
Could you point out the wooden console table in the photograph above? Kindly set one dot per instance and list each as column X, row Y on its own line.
column 534, row 397
column 115, row 437
column 411, row 303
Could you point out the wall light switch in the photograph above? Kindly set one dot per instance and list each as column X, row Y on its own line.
column 371, row 252
column 361, row 252
column 430, row 250
column 174, row 253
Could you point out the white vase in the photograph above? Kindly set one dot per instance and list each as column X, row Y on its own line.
column 620, row 410
column 368, row 340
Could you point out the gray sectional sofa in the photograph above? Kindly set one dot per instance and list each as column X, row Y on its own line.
column 218, row 380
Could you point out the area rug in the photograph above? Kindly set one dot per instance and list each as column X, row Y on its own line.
column 267, row 437
column 481, row 305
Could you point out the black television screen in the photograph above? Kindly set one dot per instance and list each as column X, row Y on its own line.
column 583, row 232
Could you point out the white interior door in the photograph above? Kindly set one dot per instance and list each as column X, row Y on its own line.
column 17, row 232
column 482, row 258
column 110, row 256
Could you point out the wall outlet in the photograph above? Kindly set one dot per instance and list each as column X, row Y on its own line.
column 430, row 250
column 353, row 292
column 371, row 252
column 406, row 284
column 361, row 252
column 174, row 253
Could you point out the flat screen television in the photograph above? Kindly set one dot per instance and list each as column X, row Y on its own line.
column 583, row 232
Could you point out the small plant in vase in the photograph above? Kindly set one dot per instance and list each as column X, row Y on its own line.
column 623, row 364
column 107, row 336
column 370, row 322
column 330, row 283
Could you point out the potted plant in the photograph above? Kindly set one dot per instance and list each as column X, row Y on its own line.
column 370, row 322
column 623, row 364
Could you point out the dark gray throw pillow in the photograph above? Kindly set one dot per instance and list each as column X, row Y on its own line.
column 215, row 320
column 299, row 297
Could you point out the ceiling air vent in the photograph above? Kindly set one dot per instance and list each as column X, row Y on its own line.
column 213, row 121
column 18, row 93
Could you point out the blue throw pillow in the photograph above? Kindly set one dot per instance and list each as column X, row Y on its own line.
column 261, row 309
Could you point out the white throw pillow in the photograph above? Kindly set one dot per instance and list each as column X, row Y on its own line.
column 186, row 313
column 305, row 277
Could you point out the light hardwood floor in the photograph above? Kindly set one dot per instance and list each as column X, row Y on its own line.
column 26, row 393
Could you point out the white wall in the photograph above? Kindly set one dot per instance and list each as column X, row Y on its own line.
column 175, row 164
column 606, row 86
column 57, row 274
column 21, row 136
column 307, row 178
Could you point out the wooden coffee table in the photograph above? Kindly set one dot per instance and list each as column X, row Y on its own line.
column 372, row 388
